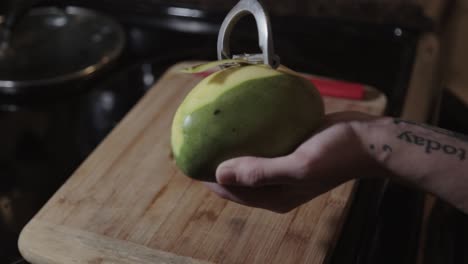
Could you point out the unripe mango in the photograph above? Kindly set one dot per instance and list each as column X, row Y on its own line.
column 245, row 110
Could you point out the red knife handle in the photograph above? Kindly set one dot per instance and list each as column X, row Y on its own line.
column 339, row 89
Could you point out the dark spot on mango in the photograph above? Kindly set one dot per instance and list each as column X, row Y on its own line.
column 234, row 130
column 217, row 112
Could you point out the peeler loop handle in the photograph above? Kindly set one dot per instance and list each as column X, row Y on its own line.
column 243, row 8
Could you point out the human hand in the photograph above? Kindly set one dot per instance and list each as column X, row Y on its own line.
column 326, row 160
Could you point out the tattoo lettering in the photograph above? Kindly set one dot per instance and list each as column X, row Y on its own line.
column 434, row 129
column 450, row 150
column 419, row 140
column 431, row 146
column 405, row 136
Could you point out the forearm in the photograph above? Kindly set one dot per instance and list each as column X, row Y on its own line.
column 430, row 158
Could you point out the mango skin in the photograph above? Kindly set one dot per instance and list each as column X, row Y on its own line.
column 269, row 116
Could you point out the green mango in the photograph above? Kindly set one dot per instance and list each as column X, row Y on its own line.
column 243, row 110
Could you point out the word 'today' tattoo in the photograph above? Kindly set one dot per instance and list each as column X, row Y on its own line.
column 431, row 145
column 434, row 129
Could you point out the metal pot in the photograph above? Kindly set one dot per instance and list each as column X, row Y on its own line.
column 52, row 46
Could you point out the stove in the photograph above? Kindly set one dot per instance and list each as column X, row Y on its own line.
column 44, row 141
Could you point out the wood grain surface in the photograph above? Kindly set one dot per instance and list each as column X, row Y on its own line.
column 128, row 203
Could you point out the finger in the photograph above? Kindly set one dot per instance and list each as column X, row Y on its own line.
column 254, row 171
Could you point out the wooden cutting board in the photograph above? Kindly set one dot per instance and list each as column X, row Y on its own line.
column 128, row 203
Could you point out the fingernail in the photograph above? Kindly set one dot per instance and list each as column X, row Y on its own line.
column 225, row 175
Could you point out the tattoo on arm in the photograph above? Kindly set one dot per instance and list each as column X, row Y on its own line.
column 434, row 129
column 431, row 145
column 385, row 148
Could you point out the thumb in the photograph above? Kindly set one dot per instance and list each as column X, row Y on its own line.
column 254, row 172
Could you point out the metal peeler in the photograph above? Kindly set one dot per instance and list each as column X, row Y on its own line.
column 243, row 8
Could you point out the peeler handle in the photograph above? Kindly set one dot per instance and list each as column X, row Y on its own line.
column 243, row 8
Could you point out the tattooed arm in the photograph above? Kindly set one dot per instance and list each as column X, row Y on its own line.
column 351, row 145
column 430, row 158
